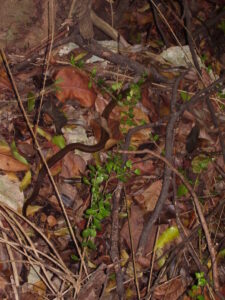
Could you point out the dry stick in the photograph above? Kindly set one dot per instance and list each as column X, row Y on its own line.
column 47, row 281
column 157, row 23
column 52, row 23
column 132, row 250
column 115, row 240
column 12, row 261
column 124, row 61
column 42, row 157
column 167, row 171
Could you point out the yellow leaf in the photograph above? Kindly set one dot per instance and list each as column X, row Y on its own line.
column 32, row 209
column 25, row 181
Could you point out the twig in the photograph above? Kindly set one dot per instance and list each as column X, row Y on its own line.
column 157, row 23
column 124, row 61
column 167, row 172
column 115, row 240
column 52, row 23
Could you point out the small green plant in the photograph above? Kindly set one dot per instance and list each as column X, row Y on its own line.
column 133, row 95
column 200, row 163
column 92, row 76
column 78, row 60
column 185, row 96
column 182, row 190
column 100, row 205
column 196, row 290
column 30, row 101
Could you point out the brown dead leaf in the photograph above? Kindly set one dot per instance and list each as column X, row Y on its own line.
column 73, row 165
column 170, row 290
column 51, row 221
column 147, row 102
column 145, row 167
column 136, row 225
column 149, row 197
column 10, row 164
column 74, row 85
column 4, row 81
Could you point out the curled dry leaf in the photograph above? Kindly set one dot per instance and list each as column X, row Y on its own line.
column 72, row 84
column 149, row 197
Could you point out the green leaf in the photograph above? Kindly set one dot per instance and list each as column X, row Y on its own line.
column 91, row 245
column 116, row 86
column 44, row 134
column 94, row 72
column 92, row 168
column 86, row 180
column 89, row 232
column 182, row 190
column 166, row 237
column 59, row 141
column 200, row 163
column 105, row 213
column 30, row 101
column 75, row 258
column 92, row 232
column 17, row 155
column 137, row 171
column 200, row 297
column 97, row 224
column 90, row 84
column 99, row 216
column 25, row 181
column 185, row 96
column 91, row 211
column 129, row 164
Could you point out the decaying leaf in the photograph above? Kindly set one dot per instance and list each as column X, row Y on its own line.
column 170, row 290
column 10, row 193
column 149, row 197
column 74, row 85
column 10, row 164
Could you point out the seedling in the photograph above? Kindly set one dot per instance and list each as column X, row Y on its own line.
column 100, row 205
column 196, row 290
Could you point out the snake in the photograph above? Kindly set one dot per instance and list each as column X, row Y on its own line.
column 70, row 147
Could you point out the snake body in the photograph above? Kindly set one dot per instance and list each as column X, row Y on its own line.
column 71, row 147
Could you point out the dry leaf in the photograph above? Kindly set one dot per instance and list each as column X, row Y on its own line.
column 51, row 221
column 136, row 225
column 73, row 165
column 32, row 209
column 72, row 84
column 149, row 197
column 170, row 290
column 8, row 163
column 10, row 193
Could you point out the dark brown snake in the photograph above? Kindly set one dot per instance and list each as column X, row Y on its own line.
column 74, row 146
